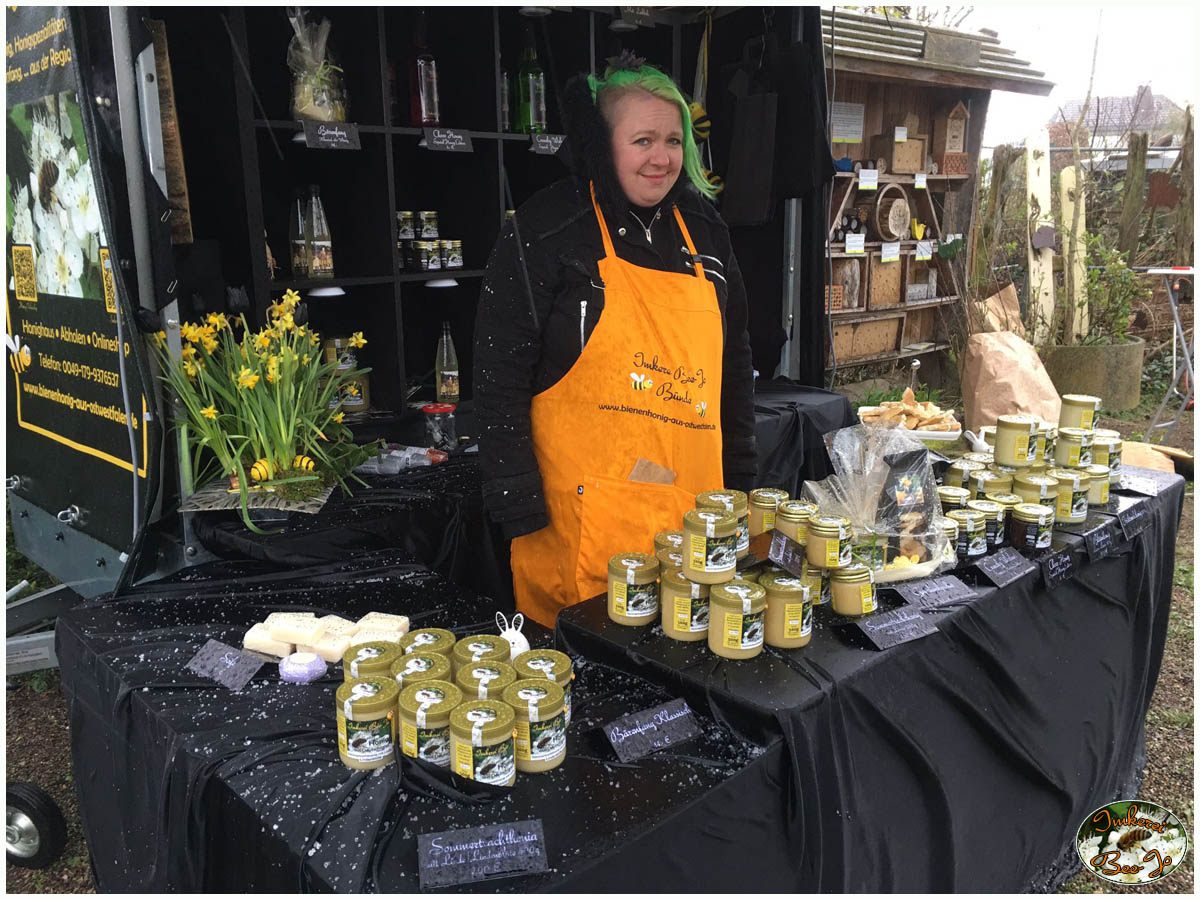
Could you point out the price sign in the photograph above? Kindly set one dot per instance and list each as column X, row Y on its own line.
column 897, row 626
column 227, row 666
column 868, row 179
column 924, row 250
column 1138, row 484
column 546, row 144
column 1134, row 518
column 1004, row 567
column 641, row 733
column 890, row 252
column 1100, row 541
column 856, row 243
column 919, row 181
column 901, row 134
column 1059, row 567
column 786, row 554
column 448, row 140
column 331, row 136
column 447, row 858
column 933, row 592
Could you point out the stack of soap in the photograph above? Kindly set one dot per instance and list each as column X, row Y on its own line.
column 378, row 621
column 338, row 625
column 330, row 648
column 259, row 638
column 295, row 628
column 374, row 635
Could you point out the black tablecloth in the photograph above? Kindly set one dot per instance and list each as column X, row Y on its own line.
column 964, row 760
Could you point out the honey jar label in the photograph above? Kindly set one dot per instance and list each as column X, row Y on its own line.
column 833, row 554
column 1045, row 535
column 743, row 631
column 1063, row 508
column 1089, row 416
column 867, row 594
column 1103, row 492
column 429, row 744
column 366, row 742
column 1038, row 450
column 712, row 555
column 769, row 520
column 691, row 614
column 1021, row 447
column 797, row 619
column 1114, row 461
column 494, row 764
column 635, row 600
column 743, row 534
column 1079, row 504
column 1085, row 456
column 1073, row 456
column 541, row 741
column 978, row 542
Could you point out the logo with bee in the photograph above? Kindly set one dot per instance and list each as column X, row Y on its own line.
column 1132, row 842
column 20, row 357
column 640, row 382
column 702, row 408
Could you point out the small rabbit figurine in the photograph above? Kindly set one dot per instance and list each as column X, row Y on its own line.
column 511, row 632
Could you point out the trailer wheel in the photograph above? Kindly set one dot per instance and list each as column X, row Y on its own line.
column 35, row 830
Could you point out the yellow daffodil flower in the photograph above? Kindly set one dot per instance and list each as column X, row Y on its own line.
column 357, row 340
column 190, row 332
column 188, row 352
column 338, row 416
column 209, row 412
column 286, row 322
column 272, row 369
column 159, row 338
column 191, row 368
column 305, row 359
column 314, row 339
column 262, row 340
column 352, row 389
column 247, row 379
column 217, row 320
column 210, row 343
column 291, row 298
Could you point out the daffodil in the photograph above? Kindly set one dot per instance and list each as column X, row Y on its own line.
column 338, row 416
column 305, row 359
column 246, row 378
column 352, row 389
column 291, row 299
column 190, row 332
column 357, row 340
column 209, row 412
column 210, row 343
column 273, row 369
column 191, row 368
column 313, row 339
column 218, row 320
column 188, row 352
column 262, row 340
column 285, row 322
column 159, row 337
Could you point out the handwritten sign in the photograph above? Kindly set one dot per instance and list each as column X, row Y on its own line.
column 642, row 733
column 1004, row 567
column 1134, row 518
column 897, row 626
column 787, row 554
column 639, row 15
column 546, row 144
column 448, row 140
column 846, row 125
column 901, row 134
column 934, row 592
column 478, row 854
column 920, row 181
column 228, row 666
column 331, row 135
column 868, row 179
column 1100, row 541
column 1058, row 567
column 924, row 250
column 856, row 243
column 890, row 252
column 1138, row 484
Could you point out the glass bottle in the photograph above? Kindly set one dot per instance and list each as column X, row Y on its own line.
column 298, row 236
column 505, row 102
column 531, row 89
column 446, row 368
column 423, row 78
column 320, row 240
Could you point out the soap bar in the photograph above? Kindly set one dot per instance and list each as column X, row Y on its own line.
column 385, row 621
column 338, row 625
column 367, row 635
column 298, row 631
column 259, row 638
column 276, row 618
column 302, row 667
column 330, row 648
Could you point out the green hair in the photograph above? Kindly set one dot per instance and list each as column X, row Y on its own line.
column 651, row 81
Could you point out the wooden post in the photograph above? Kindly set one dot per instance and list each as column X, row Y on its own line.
column 1074, row 248
column 1135, row 196
column 1039, row 214
column 1185, row 224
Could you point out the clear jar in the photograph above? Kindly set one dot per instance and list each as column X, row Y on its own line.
column 1071, row 505
column 972, row 533
column 1078, row 411
column 1033, row 487
column 441, row 433
column 685, row 608
column 1008, row 502
column 764, row 503
column 366, row 722
column 788, row 622
column 481, row 741
column 541, row 738
column 993, row 520
column 1106, row 451
column 830, row 542
column 953, row 497
column 405, row 225
column 736, row 504
column 853, row 590
column 710, row 548
column 1016, row 441
column 1073, row 449
column 736, row 627
column 792, row 519
column 1031, row 527
column 425, row 720
column 1098, row 486
column 633, row 588
column 817, row 581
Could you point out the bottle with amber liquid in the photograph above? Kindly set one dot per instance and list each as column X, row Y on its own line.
column 531, row 89
column 298, row 248
column 320, row 240
column 423, row 78
column 446, row 368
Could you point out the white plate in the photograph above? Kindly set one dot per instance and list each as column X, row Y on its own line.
column 929, row 437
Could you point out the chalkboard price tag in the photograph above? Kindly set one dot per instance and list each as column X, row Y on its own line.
column 933, row 592
column 546, row 144
column 896, row 626
column 1138, row 484
column 228, row 666
column 1058, row 567
column 642, row 733
column 1100, row 541
column 1134, row 518
column 331, row 135
column 465, row 855
column 1004, row 567
column 448, row 140
column 786, row 554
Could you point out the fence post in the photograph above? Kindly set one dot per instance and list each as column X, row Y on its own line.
column 1074, row 249
column 1184, row 222
column 1038, row 214
column 1135, row 196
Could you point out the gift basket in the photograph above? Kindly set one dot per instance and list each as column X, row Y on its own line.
column 318, row 90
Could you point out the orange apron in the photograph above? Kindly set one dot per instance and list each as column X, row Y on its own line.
column 647, row 385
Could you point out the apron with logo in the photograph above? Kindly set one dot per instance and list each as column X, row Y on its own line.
column 646, row 386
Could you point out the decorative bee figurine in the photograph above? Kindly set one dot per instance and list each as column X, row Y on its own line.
column 640, row 382
column 304, row 463
column 260, row 471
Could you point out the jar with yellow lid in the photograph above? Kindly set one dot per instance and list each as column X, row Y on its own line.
column 481, row 741
column 710, row 546
column 479, row 647
column 374, row 658
column 1071, row 505
column 980, row 484
column 788, row 619
column 959, row 471
column 736, row 626
column 485, row 679
column 1009, row 503
column 684, row 608
column 853, row 590
column 1106, row 451
column 993, row 520
column 953, row 497
column 980, row 457
column 413, row 668
column 830, row 542
column 668, row 540
column 425, row 720
column 429, row 640
column 550, row 664
column 1098, row 486
column 633, row 588
column 1033, row 487
column 1078, row 411
column 366, row 721
column 733, row 503
column 1016, row 441
column 764, row 503
column 1031, row 526
column 541, row 723
column 792, row 519
column 669, row 559
column 972, row 533
column 1073, row 449
column 950, row 530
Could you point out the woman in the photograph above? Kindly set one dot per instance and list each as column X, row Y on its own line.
column 611, row 335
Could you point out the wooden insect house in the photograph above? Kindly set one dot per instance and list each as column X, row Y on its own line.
column 950, row 140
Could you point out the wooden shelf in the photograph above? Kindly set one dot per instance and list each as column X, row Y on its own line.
column 888, row 357
column 848, row 316
column 907, row 248
column 304, row 284
column 409, row 277
column 293, row 126
column 890, row 178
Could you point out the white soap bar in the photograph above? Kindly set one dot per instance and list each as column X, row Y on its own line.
column 298, row 631
column 385, row 621
column 276, row 617
column 330, row 648
column 338, row 625
column 369, row 635
column 259, row 638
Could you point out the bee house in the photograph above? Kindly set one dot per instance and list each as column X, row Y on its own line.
column 950, row 140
